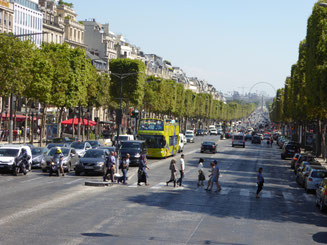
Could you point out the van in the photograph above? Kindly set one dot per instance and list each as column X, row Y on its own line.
column 238, row 139
column 182, row 139
column 8, row 154
column 212, row 127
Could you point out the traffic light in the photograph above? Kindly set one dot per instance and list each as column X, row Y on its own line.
column 135, row 114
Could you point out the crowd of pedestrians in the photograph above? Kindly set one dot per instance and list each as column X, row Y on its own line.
column 142, row 175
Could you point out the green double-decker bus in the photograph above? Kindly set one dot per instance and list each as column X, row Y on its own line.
column 161, row 137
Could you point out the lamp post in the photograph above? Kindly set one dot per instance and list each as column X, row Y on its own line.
column 121, row 77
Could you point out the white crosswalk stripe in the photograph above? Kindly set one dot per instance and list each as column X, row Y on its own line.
column 288, row 196
column 134, row 185
column 225, row 190
column 158, row 186
column 266, row 194
column 309, row 198
column 245, row 192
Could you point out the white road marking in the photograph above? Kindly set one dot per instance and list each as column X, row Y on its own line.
column 308, row 197
column 25, row 181
column 71, row 182
column 266, row 194
column 190, row 152
column 158, row 186
column 225, row 190
column 53, row 202
column 133, row 185
column 288, row 196
column 245, row 192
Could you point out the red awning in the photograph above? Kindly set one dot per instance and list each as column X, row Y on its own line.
column 19, row 118
column 86, row 122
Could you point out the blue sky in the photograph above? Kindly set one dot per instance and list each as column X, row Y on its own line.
column 229, row 43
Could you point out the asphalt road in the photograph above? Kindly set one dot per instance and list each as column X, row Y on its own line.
column 37, row 209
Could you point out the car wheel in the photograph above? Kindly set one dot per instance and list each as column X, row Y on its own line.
column 201, row 151
column 232, row 145
column 243, row 146
column 77, row 173
column 44, row 170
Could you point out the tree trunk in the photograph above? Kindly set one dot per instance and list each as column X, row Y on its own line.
column 318, row 141
column 59, row 122
column 73, row 125
column 2, row 109
column 43, row 124
column 26, row 121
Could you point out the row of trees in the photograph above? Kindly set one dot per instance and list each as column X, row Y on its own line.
column 302, row 100
column 167, row 97
column 57, row 75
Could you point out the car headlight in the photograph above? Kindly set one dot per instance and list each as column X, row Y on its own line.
column 100, row 164
column 137, row 155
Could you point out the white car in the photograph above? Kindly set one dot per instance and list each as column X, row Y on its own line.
column 213, row 132
column 182, row 139
column 314, row 178
column 189, row 136
column 81, row 147
column 8, row 153
column 238, row 139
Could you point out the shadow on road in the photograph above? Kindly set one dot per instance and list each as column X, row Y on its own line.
column 320, row 237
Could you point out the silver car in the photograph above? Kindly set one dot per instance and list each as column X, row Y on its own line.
column 314, row 178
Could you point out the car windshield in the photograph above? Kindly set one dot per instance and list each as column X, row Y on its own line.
column 153, row 141
column 110, row 149
column 53, row 151
column 49, row 146
column 122, row 138
column 208, row 143
column 291, row 147
column 189, row 135
column 94, row 154
column 77, row 145
column 319, row 174
column 37, row 151
column 238, row 137
column 93, row 143
column 131, row 145
column 8, row 152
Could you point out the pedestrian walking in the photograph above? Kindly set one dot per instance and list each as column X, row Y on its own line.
column 173, row 172
column 124, row 166
column 260, row 181
column 142, row 173
column 110, row 167
column 215, row 177
column 181, row 170
column 212, row 165
column 271, row 141
column 201, row 176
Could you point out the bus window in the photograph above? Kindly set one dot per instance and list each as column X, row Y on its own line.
column 153, row 141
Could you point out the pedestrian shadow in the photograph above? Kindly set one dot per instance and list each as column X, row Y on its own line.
column 320, row 237
column 98, row 234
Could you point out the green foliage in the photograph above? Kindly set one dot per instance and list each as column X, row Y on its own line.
column 61, row 2
column 131, row 73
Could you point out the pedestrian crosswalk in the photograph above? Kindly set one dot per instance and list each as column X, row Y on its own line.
column 242, row 193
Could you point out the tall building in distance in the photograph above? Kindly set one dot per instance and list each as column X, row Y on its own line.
column 28, row 20
column 6, row 16
column 53, row 25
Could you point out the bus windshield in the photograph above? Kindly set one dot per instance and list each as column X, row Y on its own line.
column 151, row 125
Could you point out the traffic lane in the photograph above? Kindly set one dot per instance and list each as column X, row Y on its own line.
column 64, row 216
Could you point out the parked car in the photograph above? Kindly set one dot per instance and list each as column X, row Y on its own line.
column 94, row 143
column 38, row 153
column 92, row 162
column 8, row 154
column 256, row 139
column 205, row 131
column 135, row 148
column 69, row 161
column 81, row 147
column 302, row 158
column 304, row 173
column 294, row 159
column 238, row 139
column 302, row 167
column 290, row 149
column 51, row 145
column 314, row 178
column 321, row 195
column 209, row 146
column 189, row 136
